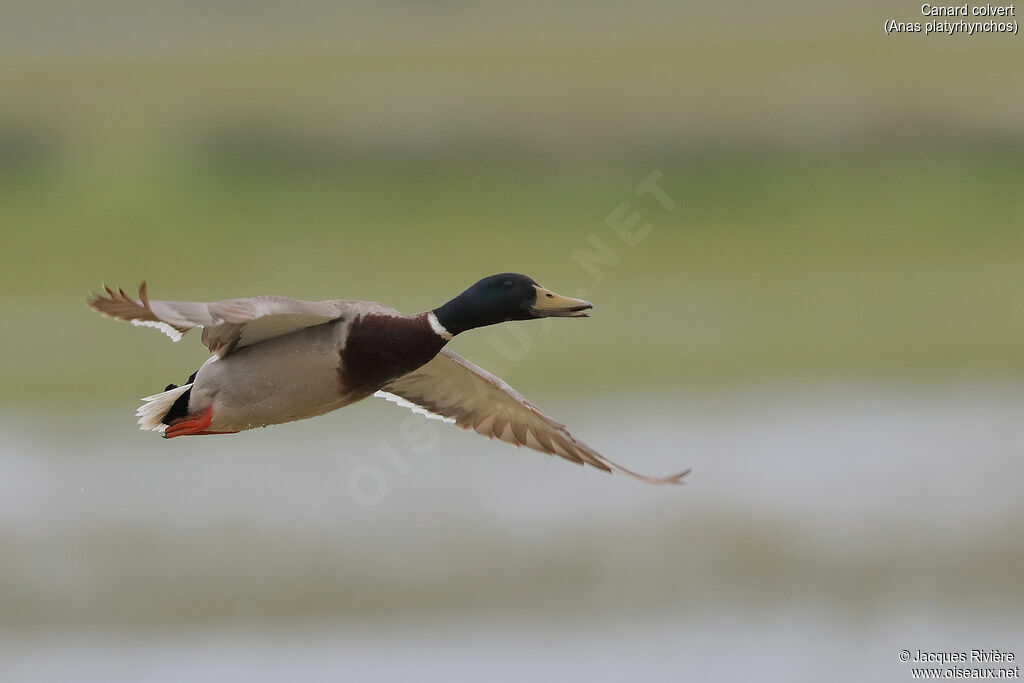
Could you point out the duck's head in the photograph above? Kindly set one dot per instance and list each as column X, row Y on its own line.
column 506, row 296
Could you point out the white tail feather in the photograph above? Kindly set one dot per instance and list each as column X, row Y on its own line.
column 152, row 411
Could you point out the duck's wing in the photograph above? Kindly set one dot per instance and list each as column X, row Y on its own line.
column 227, row 324
column 454, row 389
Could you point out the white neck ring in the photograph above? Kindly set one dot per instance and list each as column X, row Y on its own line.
column 438, row 328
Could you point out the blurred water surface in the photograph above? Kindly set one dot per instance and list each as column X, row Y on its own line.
column 825, row 527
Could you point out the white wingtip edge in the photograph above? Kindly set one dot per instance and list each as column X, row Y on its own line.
column 419, row 410
column 162, row 326
column 154, row 407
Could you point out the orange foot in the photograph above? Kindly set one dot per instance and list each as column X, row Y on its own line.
column 192, row 425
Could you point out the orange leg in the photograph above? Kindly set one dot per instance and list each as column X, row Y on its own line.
column 191, row 424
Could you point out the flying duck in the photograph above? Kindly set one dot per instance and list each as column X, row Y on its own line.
column 277, row 360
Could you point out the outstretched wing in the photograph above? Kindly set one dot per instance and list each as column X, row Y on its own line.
column 451, row 387
column 227, row 324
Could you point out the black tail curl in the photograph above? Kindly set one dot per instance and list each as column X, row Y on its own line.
column 180, row 407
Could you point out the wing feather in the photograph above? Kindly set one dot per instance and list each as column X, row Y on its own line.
column 227, row 324
column 453, row 388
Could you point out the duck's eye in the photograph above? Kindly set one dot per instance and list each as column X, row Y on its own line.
column 507, row 284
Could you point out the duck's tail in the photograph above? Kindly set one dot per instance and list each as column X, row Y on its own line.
column 154, row 408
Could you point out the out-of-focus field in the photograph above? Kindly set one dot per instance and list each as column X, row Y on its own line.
column 844, row 205
column 798, row 265
column 827, row 325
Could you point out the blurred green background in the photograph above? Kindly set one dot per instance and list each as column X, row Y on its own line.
column 845, row 204
column 847, row 223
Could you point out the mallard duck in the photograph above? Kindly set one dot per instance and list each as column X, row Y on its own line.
column 277, row 360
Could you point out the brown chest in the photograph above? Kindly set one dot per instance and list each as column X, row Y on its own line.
column 381, row 348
